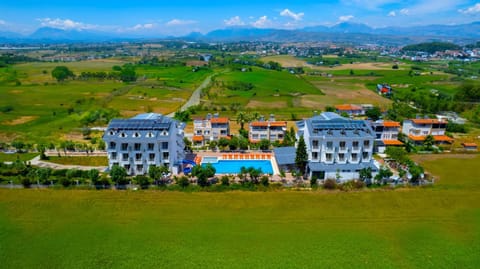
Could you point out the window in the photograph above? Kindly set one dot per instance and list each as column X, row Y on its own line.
column 112, row 145
column 137, row 146
column 365, row 155
column 136, row 134
column 164, row 145
column 122, row 134
column 165, row 155
column 328, row 157
column 150, row 146
column 124, row 146
column 341, row 157
column 354, row 157
column 125, row 157
column 355, row 145
column 366, row 143
column 113, row 156
column 255, row 136
column 314, row 155
column 138, row 157
column 127, row 167
column 329, row 145
column 150, row 134
column 111, row 133
column 343, row 145
column 151, row 157
column 315, row 144
column 140, row 167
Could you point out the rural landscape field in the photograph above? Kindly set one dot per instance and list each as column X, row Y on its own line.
column 433, row 227
column 280, row 134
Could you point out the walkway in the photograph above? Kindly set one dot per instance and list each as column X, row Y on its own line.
column 195, row 98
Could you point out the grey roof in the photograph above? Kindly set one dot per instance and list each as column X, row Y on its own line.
column 285, row 155
column 149, row 121
column 316, row 166
column 332, row 124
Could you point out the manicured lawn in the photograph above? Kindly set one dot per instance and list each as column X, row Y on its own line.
column 80, row 160
column 11, row 157
column 436, row 227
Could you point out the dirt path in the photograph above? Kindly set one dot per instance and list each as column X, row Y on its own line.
column 37, row 162
column 195, row 98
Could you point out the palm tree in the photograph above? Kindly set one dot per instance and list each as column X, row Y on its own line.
column 242, row 117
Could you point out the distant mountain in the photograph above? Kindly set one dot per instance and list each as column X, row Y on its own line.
column 48, row 33
column 348, row 32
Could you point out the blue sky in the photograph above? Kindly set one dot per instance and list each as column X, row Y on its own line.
column 181, row 17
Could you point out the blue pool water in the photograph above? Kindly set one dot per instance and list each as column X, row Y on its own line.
column 233, row 166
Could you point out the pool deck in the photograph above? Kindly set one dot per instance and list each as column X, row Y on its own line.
column 251, row 155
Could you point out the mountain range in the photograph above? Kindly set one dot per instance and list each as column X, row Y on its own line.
column 343, row 32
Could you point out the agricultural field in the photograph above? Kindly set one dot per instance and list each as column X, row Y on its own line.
column 432, row 227
column 37, row 108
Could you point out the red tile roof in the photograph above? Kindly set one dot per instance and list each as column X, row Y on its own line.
column 427, row 121
column 391, row 124
column 348, row 107
column 219, row 120
column 471, row 145
column 392, row 142
column 278, row 123
column 259, row 124
column 443, row 138
column 197, row 138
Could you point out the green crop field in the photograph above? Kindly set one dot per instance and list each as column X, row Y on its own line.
column 42, row 109
column 433, row 227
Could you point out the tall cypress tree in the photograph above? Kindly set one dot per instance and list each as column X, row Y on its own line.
column 301, row 157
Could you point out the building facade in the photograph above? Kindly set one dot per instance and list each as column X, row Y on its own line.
column 209, row 129
column 145, row 140
column 417, row 130
column 386, row 135
column 270, row 130
column 338, row 148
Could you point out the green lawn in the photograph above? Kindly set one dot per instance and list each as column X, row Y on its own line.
column 80, row 160
column 11, row 157
column 436, row 227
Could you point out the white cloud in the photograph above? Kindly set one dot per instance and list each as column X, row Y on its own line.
column 176, row 22
column 262, row 22
column 2, row 22
column 142, row 26
column 65, row 24
column 296, row 16
column 392, row 14
column 233, row 21
column 345, row 18
column 475, row 9
column 404, row 11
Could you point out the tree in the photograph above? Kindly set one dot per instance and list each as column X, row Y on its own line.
column 182, row 181
column 188, row 144
column 60, row 73
column 128, row 74
column 254, row 173
column 397, row 153
column 225, row 180
column 143, row 181
column 203, row 173
column 223, row 142
column 93, row 175
column 365, row 175
column 383, row 174
column 373, row 113
column 264, row 144
column 301, row 157
column 18, row 145
column 428, row 142
column 118, row 175
column 242, row 118
column 415, row 171
column 265, row 181
column 212, row 145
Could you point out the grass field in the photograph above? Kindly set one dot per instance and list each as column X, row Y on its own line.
column 436, row 227
column 11, row 157
column 80, row 160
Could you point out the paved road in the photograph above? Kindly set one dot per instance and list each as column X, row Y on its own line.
column 195, row 98
column 37, row 162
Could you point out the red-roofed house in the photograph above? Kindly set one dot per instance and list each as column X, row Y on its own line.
column 386, row 135
column 418, row 129
column 271, row 130
column 351, row 110
column 211, row 128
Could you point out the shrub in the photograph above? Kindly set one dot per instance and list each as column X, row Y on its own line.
column 65, row 181
column 330, row 184
column 225, row 180
column 143, row 181
column 264, row 180
column 26, row 182
column 182, row 181
column 313, row 182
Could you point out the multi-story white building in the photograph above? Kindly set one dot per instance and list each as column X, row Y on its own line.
column 386, row 134
column 337, row 146
column 145, row 140
column 270, row 130
column 210, row 129
column 418, row 129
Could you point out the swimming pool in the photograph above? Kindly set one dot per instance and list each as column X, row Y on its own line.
column 233, row 166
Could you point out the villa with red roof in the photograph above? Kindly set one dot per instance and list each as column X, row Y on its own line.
column 271, row 130
column 386, row 134
column 418, row 129
column 209, row 129
column 351, row 110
